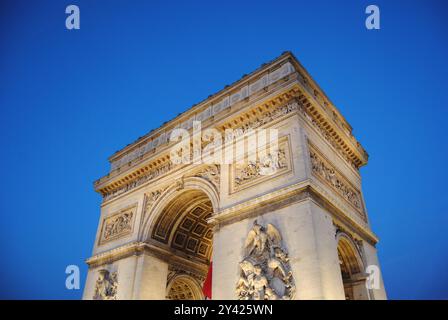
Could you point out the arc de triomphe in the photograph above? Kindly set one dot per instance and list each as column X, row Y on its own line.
column 299, row 232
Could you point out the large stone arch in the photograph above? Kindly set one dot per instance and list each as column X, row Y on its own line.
column 177, row 230
column 315, row 183
column 172, row 192
column 352, row 268
column 184, row 287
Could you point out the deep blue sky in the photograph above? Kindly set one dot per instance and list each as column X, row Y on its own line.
column 69, row 99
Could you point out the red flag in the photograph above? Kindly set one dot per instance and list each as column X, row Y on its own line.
column 207, row 287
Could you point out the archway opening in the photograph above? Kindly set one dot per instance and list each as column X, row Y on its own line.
column 183, row 288
column 183, row 230
column 352, row 273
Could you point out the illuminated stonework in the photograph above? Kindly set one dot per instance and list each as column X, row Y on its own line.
column 287, row 224
column 265, row 273
column 118, row 225
column 266, row 167
column 328, row 174
column 106, row 286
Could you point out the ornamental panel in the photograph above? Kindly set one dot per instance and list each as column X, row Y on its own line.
column 118, row 225
column 326, row 173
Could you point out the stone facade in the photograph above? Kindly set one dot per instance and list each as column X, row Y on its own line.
column 299, row 233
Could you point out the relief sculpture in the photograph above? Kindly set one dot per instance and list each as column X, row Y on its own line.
column 265, row 273
column 327, row 173
column 265, row 166
column 106, row 285
column 117, row 225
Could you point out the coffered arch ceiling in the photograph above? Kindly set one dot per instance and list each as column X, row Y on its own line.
column 183, row 227
column 348, row 257
column 184, row 288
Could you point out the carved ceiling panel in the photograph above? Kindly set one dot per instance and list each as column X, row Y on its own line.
column 181, row 289
column 184, row 223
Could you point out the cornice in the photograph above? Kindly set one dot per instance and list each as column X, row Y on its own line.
column 160, row 158
column 159, row 164
column 137, row 248
column 311, row 88
column 283, row 197
column 201, row 106
column 340, row 138
column 296, row 85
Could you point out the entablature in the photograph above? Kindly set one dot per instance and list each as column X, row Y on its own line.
column 276, row 92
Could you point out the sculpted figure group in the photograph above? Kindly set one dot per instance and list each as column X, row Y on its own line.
column 120, row 224
column 106, row 286
column 265, row 272
column 265, row 166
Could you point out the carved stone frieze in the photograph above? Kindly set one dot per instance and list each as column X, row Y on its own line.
column 265, row 166
column 117, row 225
column 330, row 176
column 106, row 285
column 265, row 273
column 156, row 172
column 261, row 167
column 266, row 118
column 339, row 229
column 327, row 136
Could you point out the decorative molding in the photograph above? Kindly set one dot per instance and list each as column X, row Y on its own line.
column 183, row 284
column 106, row 285
column 284, row 197
column 151, row 248
column 267, row 117
column 314, row 107
column 265, row 273
column 328, row 137
column 180, row 269
column 212, row 174
column 152, row 174
column 117, row 225
column 325, row 172
column 357, row 241
column 297, row 103
column 110, row 193
column 265, row 166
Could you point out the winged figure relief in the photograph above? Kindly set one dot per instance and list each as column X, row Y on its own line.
column 259, row 239
column 256, row 240
column 265, row 272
